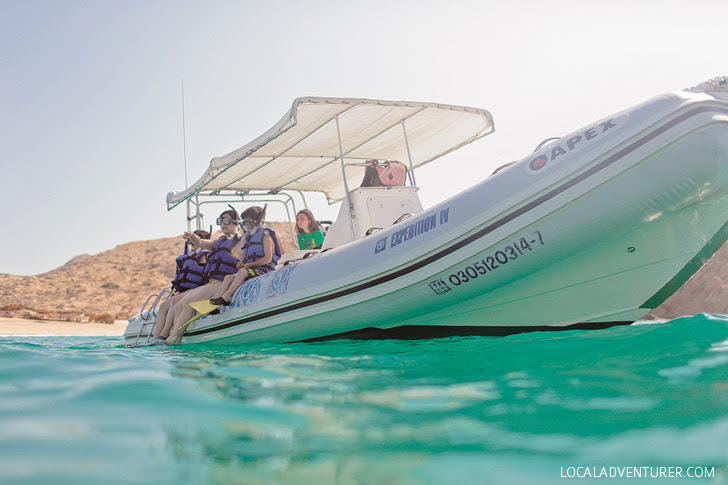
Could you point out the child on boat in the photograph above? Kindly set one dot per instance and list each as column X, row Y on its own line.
column 189, row 275
column 222, row 261
column 261, row 252
column 310, row 235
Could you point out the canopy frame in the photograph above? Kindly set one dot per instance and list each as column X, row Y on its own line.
column 244, row 197
column 342, row 155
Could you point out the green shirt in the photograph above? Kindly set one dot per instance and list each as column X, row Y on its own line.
column 310, row 240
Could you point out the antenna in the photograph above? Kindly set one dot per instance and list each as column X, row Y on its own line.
column 184, row 136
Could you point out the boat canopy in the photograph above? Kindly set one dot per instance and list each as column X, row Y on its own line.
column 302, row 151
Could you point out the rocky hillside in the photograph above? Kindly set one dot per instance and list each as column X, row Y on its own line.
column 705, row 292
column 114, row 284
column 100, row 287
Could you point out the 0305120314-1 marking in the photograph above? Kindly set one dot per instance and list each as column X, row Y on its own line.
column 518, row 248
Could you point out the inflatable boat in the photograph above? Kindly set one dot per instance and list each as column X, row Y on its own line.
column 592, row 229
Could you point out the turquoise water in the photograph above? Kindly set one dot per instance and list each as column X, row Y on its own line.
column 517, row 409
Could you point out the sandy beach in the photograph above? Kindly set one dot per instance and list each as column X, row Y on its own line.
column 21, row 326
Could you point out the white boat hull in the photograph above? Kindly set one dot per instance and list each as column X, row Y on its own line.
column 599, row 227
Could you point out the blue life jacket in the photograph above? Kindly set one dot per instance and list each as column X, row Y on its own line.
column 253, row 248
column 190, row 274
column 221, row 262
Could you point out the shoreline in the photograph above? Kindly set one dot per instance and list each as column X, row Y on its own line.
column 25, row 327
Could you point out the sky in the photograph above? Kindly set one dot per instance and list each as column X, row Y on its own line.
column 91, row 102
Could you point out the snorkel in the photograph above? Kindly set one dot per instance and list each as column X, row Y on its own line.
column 238, row 224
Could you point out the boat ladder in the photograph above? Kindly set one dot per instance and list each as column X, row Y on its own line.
column 148, row 316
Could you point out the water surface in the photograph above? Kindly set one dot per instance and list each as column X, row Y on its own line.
column 517, row 409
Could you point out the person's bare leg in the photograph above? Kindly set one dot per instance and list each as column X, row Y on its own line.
column 226, row 282
column 184, row 312
column 240, row 277
column 169, row 320
column 161, row 317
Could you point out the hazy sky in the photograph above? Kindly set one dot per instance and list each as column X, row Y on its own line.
column 90, row 102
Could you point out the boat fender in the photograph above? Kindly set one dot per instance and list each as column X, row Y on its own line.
column 220, row 262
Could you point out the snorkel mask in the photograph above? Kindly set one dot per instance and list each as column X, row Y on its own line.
column 248, row 225
column 227, row 219
column 252, row 218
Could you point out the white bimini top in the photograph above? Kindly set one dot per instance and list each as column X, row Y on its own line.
column 301, row 152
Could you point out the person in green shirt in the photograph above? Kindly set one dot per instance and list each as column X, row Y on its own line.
column 310, row 235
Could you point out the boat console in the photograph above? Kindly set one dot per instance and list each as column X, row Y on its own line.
column 372, row 209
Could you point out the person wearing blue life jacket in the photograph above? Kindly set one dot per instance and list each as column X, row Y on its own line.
column 189, row 274
column 261, row 252
column 191, row 266
column 224, row 256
